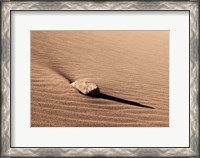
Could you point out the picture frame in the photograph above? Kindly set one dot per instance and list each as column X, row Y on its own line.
column 8, row 7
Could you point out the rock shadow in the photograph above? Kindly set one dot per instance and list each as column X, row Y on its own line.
column 124, row 101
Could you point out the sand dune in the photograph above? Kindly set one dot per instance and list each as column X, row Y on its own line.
column 130, row 67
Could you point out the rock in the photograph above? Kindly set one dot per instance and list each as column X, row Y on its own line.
column 86, row 88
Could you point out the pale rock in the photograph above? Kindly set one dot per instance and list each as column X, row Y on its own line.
column 86, row 88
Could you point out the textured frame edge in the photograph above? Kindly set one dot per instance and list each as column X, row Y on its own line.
column 109, row 5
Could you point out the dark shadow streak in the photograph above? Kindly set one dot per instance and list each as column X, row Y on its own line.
column 109, row 97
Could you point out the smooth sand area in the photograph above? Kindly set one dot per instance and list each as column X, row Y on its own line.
column 130, row 67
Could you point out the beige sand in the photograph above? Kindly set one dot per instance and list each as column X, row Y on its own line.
column 128, row 66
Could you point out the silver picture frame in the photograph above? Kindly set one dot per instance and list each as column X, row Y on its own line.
column 8, row 6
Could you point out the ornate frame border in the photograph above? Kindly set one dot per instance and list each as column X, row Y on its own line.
column 8, row 6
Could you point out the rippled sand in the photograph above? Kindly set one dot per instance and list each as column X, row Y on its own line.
column 130, row 67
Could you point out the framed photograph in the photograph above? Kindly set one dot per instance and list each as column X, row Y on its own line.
column 109, row 78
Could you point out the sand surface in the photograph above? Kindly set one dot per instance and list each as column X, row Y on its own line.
column 130, row 67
